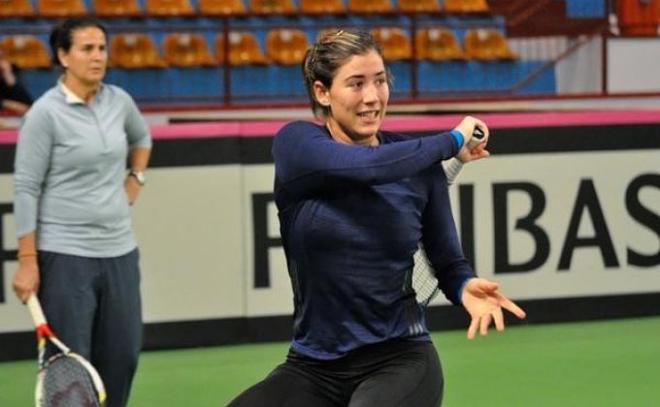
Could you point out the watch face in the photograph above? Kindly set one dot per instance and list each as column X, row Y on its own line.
column 139, row 175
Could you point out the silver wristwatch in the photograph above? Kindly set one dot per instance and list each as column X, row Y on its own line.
column 139, row 176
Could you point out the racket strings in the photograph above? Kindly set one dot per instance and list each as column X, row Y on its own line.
column 66, row 383
column 423, row 278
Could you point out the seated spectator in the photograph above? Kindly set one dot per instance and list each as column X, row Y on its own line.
column 13, row 96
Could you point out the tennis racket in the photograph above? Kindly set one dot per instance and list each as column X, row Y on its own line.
column 65, row 379
column 423, row 278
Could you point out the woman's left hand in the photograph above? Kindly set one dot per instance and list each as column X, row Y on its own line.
column 484, row 303
column 132, row 188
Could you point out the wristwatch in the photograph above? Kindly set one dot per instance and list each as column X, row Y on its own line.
column 139, row 176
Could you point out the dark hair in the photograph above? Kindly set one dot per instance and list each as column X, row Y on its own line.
column 61, row 36
column 328, row 54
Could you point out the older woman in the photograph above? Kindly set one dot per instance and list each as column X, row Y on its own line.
column 76, row 247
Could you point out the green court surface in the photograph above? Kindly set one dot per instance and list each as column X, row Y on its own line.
column 607, row 363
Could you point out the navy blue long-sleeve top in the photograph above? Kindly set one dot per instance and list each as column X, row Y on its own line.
column 351, row 219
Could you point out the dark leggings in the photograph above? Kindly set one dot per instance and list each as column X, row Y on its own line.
column 391, row 374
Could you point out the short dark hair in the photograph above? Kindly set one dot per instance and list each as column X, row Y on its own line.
column 61, row 36
column 328, row 54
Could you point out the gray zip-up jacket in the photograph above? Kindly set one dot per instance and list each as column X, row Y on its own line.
column 70, row 168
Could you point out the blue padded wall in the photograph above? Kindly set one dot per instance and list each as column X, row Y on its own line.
column 585, row 8
column 482, row 77
column 177, row 85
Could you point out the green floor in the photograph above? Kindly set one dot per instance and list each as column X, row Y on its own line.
column 613, row 363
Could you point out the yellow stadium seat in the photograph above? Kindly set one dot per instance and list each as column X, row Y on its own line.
column 169, row 8
column 437, row 44
column 186, row 49
column 394, row 42
column 243, row 49
column 221, row 7
column 369, row 6
column 466, row 6
column 322, row 7
column 61, row 8
column 286, row 46
column 25, row 51
column 134, row 51
column 487, row 45
column 112, row 8
column 16, row 8
column 416, row 6
column 272, row 6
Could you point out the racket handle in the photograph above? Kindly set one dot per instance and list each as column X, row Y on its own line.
column 35, row 311
column 477, row 137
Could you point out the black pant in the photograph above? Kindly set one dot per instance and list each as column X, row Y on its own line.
column 93, row 305
column 396, row 373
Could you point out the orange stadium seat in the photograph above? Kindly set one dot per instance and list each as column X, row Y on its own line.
column 61, row 8
column 394, row 42
column 487, row 45
column 243, row 49
column 286, row 46
column 417, row 6
column 322, row 7
column 272, row 6
column 169, row 8
column 16, row 8
column 638, row 17
column 25, row 51
column 465, row 6
column 221, row 7
column 437, row 44
column 111, row 8
column 134, row 51
column 187, row 49
column 369, row 6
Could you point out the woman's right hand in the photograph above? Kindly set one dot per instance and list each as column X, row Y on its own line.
column 26, row 279
column 466, row 127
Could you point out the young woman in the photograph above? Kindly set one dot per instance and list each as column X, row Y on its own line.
column 354, row 203
column 76, row 248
